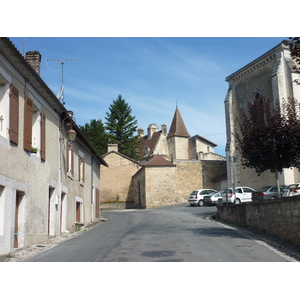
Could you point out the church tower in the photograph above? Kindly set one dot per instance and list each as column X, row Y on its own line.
column 177, row 138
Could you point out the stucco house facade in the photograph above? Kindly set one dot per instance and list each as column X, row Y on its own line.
column 270, row 76
column 48, row 183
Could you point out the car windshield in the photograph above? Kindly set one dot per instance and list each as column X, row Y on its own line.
column 194, row 193
column 263, row 189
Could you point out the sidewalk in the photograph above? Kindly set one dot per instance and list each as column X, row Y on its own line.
column 24, row 253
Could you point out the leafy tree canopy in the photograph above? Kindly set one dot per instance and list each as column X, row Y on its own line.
column 96, row 134
column 269, row 137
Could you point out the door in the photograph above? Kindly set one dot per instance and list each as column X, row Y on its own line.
column 78, row 213
column 247, row 195
column 16, row 230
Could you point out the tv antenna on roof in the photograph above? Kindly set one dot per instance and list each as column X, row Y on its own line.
column 60, row 94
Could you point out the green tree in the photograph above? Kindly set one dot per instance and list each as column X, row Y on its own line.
column 96, row 134
column 121, row 127
column 269, row 137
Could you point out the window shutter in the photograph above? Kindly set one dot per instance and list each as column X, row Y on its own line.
column 43, row 136
column 14, row 115
column 97, row 203
column 70, row 159
column 27, row 123
column 67, row 156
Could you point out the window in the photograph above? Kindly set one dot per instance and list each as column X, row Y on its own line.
column 28, row 111
column 79, row 210
column 43, row 136
column 14, row 115
column 34, row 128
column 4, row 103
column 81, row 167
column 70, row 160
column 2, row 209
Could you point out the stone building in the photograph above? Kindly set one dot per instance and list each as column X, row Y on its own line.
column 49, row 181
column 270, row 76
column 116, row 180
column 173, row 164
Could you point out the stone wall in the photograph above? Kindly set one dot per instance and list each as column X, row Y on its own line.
column 188, row 178
column 160, row 186
column 117, row 205
column 116, row 180
column 279, row 217
column 212, row 169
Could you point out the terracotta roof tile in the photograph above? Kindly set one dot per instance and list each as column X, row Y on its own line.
column 159, row 161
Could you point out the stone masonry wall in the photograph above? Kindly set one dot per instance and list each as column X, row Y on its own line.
column 212, row 169
column 160, row 187
column 116, row 180
column 188, row 178
column 279, row 217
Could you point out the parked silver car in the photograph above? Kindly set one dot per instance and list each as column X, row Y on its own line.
column 240, row 194
column 267, row 192
column 196, row 197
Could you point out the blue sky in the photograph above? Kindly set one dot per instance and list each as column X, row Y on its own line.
column 153, row 74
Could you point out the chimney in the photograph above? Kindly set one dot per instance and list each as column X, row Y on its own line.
column 164, row 129
column 140, row 132
column 151, row 129
column 34, row 59
column 112, row 146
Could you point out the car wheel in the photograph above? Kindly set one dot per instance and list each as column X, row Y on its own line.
column 237, row 201
column 273, row 198
column 200, row 203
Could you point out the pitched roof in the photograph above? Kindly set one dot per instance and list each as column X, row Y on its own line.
column 178, row 127
column 151, row 143
column 159, row 161
column 120, row 154
column 206, row 140
column 12, row 54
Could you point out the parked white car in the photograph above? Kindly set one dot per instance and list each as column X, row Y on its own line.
column 292, row 190
column 196, row 197
column 241, row 194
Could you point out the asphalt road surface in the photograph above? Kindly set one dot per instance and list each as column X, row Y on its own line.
column 170, row 234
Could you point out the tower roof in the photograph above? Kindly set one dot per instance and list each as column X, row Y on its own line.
column 178, row 127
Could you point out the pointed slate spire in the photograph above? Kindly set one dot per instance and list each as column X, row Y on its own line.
column 178, row 127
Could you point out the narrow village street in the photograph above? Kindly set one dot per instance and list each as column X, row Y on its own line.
column 169, row 234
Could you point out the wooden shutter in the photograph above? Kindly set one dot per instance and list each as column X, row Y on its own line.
column 97, row 203
column 27, row 123
column 81, row 166
column 70, row 159
column 67, row 156
column 14, row 115
column 43, row 137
